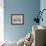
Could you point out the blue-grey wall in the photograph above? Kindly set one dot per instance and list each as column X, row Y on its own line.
column 43, row 6
column 26, row 7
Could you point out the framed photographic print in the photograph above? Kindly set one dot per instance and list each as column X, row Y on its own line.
column 17, row 19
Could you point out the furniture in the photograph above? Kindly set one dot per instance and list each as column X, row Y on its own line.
column 39, row 33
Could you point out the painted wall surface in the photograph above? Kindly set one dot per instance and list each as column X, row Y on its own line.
column 26, row 7
column 43, row 6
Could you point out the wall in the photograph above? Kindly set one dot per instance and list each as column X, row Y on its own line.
column 26, row 7
column 43, row 6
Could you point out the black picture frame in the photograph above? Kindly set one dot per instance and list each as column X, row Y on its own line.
column 17, row 19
